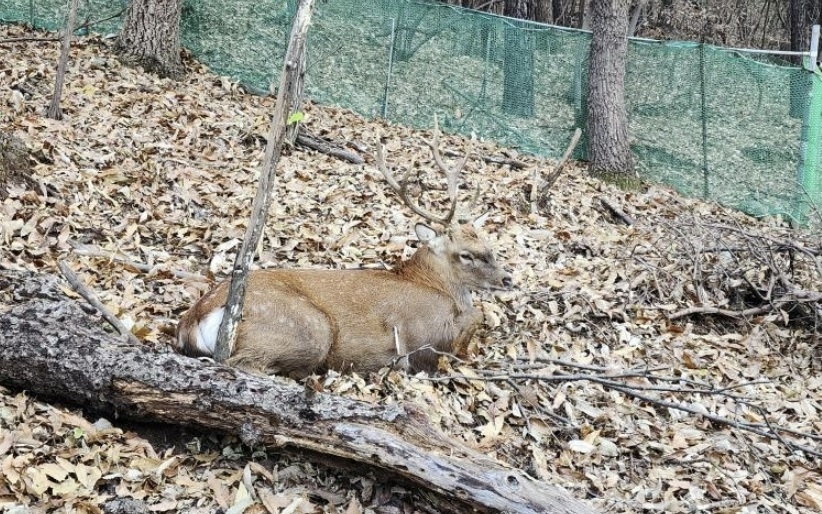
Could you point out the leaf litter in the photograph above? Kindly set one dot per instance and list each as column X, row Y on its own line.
column 592, row 375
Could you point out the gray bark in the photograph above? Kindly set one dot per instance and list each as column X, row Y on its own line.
column 609, row 150
column 151, row 36
column 51, row 348
column 636, row 14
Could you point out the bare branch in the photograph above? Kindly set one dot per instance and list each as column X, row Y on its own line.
column 96, row 251
column 793, row 297
column 540, row 188
column 91, row 298
column 768, row 431
column 491, row 159
column 616, row 211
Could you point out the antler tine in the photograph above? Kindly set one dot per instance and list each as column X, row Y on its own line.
column 451, row 174
column 401, row 188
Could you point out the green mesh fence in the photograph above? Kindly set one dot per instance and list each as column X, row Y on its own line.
column 738, row 127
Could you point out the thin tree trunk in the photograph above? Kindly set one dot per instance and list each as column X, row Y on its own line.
column 151, row 37
column 542, row 11
column 636, row 14
column 558, row 11
column 51, row 348
column 582, row 18
column 53, row 111
column 289, row 97
column 609, row 148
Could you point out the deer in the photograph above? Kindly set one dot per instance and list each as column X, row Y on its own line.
column 296, row 322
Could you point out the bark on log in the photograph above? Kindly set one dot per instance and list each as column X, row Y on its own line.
column 52, row 348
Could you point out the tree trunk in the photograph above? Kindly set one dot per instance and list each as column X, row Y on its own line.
column 636, row 14
column 609, row 150
column 804, row 13
column 518, row 69
column 51, row 348
column 15, row 167
column 151, row 37
column 582, row 15
column 559, row 13
column 542, row 11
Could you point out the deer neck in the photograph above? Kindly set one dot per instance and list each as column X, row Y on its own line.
column 426, row 269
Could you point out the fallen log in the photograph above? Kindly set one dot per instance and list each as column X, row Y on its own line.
column 50, row 347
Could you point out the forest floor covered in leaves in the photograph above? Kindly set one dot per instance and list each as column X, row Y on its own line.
column 668, row 365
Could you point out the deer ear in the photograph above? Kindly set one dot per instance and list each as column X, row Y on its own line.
column 425, row 233
column 430, row 237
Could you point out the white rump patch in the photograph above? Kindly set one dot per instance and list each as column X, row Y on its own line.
column 207, row 331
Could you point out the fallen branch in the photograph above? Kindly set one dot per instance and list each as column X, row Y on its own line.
column 27, row 40
column 323, row 145
column 96, row 251
column 616, row 211
column 289, row 97
column 608, row 382
column 795, row 297
column 91, row 298
column 394, row 442
column 491, row 159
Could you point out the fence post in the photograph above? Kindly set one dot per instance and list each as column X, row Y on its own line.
column 390, row 68
column 811, row 135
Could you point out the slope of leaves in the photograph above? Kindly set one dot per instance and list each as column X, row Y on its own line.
column 590, row 375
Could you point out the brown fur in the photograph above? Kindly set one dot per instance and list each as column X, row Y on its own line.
column 296, row 322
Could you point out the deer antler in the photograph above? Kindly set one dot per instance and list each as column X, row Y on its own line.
column 401, row 187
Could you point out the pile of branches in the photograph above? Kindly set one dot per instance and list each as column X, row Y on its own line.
column 737, row 273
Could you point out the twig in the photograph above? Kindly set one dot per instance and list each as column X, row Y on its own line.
column 794, row 297
column 93, row 251
column 748, row 427
column 491, row 159
column 590, row 367
column 812, row 253
column 86, row 24
column 322, row 145
column 86, row 293
column 648, row 373
column 539, row 190
column 632, row 392
column 616, row 211
column 542, row 412
column 611, row 381
column 13, row 40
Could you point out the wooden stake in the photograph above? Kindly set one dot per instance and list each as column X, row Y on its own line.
column 288, row 101
column 53, row 111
